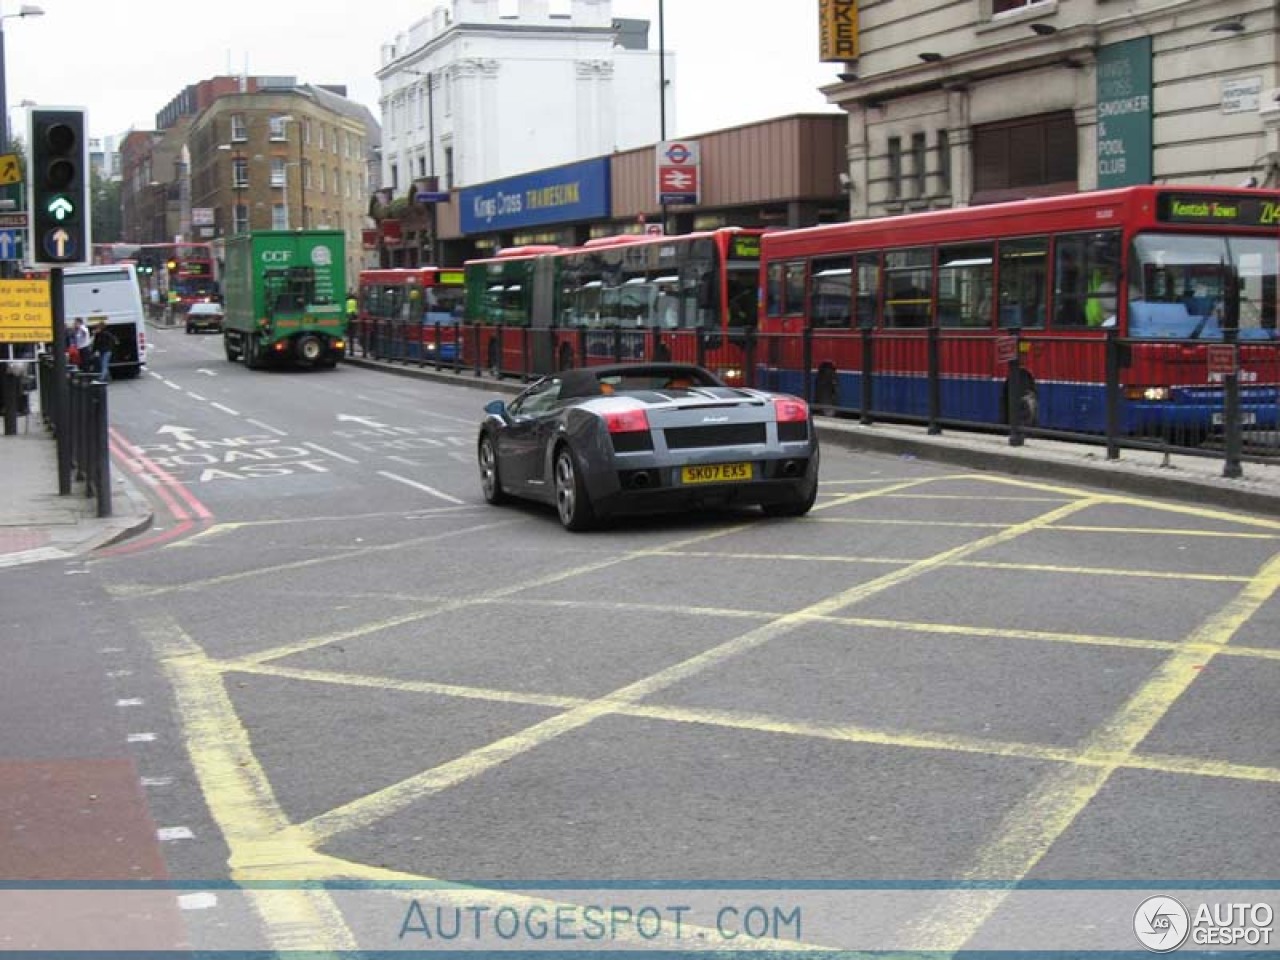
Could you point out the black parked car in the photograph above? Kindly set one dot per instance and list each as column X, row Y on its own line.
column 646, row 437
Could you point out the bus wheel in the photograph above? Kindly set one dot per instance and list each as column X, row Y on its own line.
column 1026, row 401
column 826, row 393
column 566, row 358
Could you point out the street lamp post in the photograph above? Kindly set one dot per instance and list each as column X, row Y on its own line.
column 27, row 10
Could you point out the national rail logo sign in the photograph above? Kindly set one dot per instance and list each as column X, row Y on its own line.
column 679, row 166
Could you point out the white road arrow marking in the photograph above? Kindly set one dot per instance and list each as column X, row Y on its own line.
column 179, row 434
column 369, row 422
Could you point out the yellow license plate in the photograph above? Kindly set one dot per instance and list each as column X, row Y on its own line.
column 716, row 473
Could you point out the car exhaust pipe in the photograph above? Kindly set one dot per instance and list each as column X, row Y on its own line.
column 640, row 480
column 792, row 468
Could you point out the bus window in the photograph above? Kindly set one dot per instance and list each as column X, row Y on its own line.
column 964, row 285
column 1179, row 285
column 1086, row 272
column 1023, row 269
column 868, row 266
column 773, row 290
column 908, row 278
column 831, row 298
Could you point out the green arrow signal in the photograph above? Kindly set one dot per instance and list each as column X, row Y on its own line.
column 60, row 207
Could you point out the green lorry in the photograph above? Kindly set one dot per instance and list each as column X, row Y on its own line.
column 284, row 293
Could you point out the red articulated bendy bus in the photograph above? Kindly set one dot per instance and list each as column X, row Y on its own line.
column 691, row 297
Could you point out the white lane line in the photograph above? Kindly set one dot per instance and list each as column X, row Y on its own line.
column 196, row 396
column 140, row 738
column 218, row 406
column 130, row 702
column 171, row 385
column 267, row 427
column 175, row 833
column 330, row 453
column 157, row 781
column 421, row 486
column 197, row 901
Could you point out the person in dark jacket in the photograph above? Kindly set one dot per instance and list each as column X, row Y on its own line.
column 104, row 343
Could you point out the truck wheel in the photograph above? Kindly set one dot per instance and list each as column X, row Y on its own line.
column 232, row 353
column 251, row 358
column 310, row 349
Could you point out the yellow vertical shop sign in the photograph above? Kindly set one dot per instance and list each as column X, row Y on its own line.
column 25, row 313
column 838, row 30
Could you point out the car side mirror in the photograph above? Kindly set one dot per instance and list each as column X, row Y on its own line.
column 496, row 408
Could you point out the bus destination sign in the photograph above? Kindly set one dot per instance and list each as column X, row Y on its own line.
column 1207, row 208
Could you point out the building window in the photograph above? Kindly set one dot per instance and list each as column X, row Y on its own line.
column 1005, row 6
column 448, row 168
column 395, row 177
column 239, row 173
column 278, row 131
column 239, row 129
column 895, row 168
column 279, row 216
column 277, row 172
column 919, row 162
column 944, row 162
column 1031, row 156
column 241, row 222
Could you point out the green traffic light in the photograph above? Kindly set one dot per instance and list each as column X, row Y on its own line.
column 61, row 207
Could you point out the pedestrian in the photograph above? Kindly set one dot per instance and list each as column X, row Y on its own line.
column 353, row 309
column 78, row 340
column 104, row 342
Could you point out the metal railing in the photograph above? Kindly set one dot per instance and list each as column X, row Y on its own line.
column 75, row 410
column 1217, row 399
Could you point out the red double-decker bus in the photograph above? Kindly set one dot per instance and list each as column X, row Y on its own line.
column 692, row 297
column 189, row 271
column 410, row 313
column 994, row 313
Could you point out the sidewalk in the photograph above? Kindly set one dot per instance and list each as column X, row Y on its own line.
column 38, row 524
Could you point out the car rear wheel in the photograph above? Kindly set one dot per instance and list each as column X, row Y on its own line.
column 572, row 502
column 490, row 479
column 803, row 501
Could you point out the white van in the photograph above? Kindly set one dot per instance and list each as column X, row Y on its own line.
column 109, row 292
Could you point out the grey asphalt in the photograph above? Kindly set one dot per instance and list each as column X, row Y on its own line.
column 36, row 523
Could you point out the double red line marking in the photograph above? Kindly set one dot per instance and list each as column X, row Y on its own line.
column 184, row 507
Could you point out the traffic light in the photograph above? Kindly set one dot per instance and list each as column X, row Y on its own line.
column 171, row 265
column 58, row 187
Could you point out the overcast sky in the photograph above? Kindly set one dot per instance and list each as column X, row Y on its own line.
column 737, row 60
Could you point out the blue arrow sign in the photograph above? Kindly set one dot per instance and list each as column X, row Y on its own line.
column 11, row 244
column 60, row 245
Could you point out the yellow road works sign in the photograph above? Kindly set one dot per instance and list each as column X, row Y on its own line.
column 10, row 169
column 25, row 314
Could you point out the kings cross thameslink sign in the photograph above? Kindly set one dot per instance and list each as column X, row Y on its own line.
column 1124, row 113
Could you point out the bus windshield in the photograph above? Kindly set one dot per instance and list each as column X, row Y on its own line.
column 1178, row 285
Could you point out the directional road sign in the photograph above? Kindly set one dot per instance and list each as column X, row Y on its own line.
column 11, row 244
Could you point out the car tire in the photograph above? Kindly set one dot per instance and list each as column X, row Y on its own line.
column 802, row 504
column 573, row 504
column 490, row 477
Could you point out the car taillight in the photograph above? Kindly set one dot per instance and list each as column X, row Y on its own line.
column 790, row 410
column 626, row 421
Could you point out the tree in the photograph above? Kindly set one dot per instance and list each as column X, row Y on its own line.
column 107, row 216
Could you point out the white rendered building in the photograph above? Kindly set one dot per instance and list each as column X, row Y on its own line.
column 503, row 87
